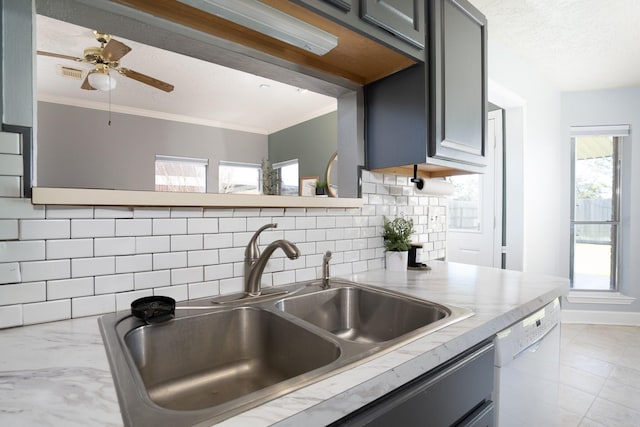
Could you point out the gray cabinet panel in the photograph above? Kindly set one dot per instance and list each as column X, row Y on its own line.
column 404, row 18
column 459, row 75
column 456, row 393
column 342, row 4
column 396, row 119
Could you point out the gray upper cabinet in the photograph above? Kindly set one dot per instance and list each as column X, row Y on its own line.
column 341, row 4
column 434, row 114
column 458, row 108
column 398, row 24
column 403, row 18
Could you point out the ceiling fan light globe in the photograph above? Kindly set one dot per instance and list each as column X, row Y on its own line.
column 102, row 82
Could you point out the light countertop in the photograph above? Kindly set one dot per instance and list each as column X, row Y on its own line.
column 57, row 374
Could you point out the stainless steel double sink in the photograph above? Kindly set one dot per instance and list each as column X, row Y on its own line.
column 207, row 365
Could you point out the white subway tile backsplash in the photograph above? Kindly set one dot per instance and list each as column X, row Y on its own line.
column 23, row 293
column 246, row 212
column 315, row 235
column 10, row 164
column 124, row 299
column 186, row 212
column 84, row 267
column 231, row 225
column 18, row 208
column 91, row 306
column 181, row 276
column 219, row 271
column 106, row 257
column 45, row 270
column 186, row 243
column 217, row 213
column 69, row 248
column 153, row 244
column 133, row 227
column 271, row 212
column 152, row 279
column 216, row 241
column 92, row 228
column 205, row 257
column 151, row 212
column 231, row 286
column 10, row 186
column 322, row 247
column 296, row 236
column 169, row 226
column 178, row 293
column 10, row 272
column 10, row 143
column 231, row 255
column 10, row 316
column 21, row 251
column 113, row 283
column 49, row 311
column 303, row 223
column 305, row 274
column 9, row 229
column 284, row 277
column 134, row 263
column 68, row 212
column 114, row 246
column 38, row 229
column 202, row 225
column 204, row 289
column 169, row 260
column 113, row 212
column 69, row 288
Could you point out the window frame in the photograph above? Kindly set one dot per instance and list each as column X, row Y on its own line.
column 248, row 165
column 617, row 133
column 181, row 159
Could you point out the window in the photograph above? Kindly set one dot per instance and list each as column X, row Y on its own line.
column 239, row 178
column 595, row 212
column 183, row 174
column 464, row 204
column 288, row 177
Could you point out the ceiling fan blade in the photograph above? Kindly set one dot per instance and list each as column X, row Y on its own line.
column 158, row 84
column 59, row 55
column 114, row 50
column 85, row 83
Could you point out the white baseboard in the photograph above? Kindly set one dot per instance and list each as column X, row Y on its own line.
column 622, row 318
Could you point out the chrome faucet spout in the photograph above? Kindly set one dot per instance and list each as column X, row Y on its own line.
column 255, row 263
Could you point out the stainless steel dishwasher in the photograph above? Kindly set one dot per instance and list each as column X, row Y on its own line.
column 527, row 369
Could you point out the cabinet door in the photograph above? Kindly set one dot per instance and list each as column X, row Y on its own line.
column 404, row 18
column 342, row 4
column 459, row 81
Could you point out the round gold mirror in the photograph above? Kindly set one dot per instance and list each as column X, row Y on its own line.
column 332, row 175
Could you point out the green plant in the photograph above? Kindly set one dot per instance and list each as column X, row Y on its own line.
column 397, row 233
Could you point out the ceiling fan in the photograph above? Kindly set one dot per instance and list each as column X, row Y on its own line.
column 105, row 58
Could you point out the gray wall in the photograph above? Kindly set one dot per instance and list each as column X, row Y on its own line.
column 77, row 148
column 311, row 142
column 614, row 107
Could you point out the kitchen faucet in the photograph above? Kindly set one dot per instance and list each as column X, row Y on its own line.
column 254, row 262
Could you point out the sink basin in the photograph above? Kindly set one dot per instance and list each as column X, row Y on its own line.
column 204, row 361
column 205, row 366
column 363, row 315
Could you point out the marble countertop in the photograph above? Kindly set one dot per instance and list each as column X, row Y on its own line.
column 57, row 374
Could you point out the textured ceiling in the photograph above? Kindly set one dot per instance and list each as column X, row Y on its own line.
column 577, row 44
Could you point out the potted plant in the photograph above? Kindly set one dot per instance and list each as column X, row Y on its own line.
column 396, row 235
column 321, row 188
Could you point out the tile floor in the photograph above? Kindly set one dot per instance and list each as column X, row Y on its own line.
column 599, row 376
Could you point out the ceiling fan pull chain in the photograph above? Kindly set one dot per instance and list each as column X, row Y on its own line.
column 109, row 100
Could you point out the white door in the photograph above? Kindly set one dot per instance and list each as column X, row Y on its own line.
column 474, row 234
